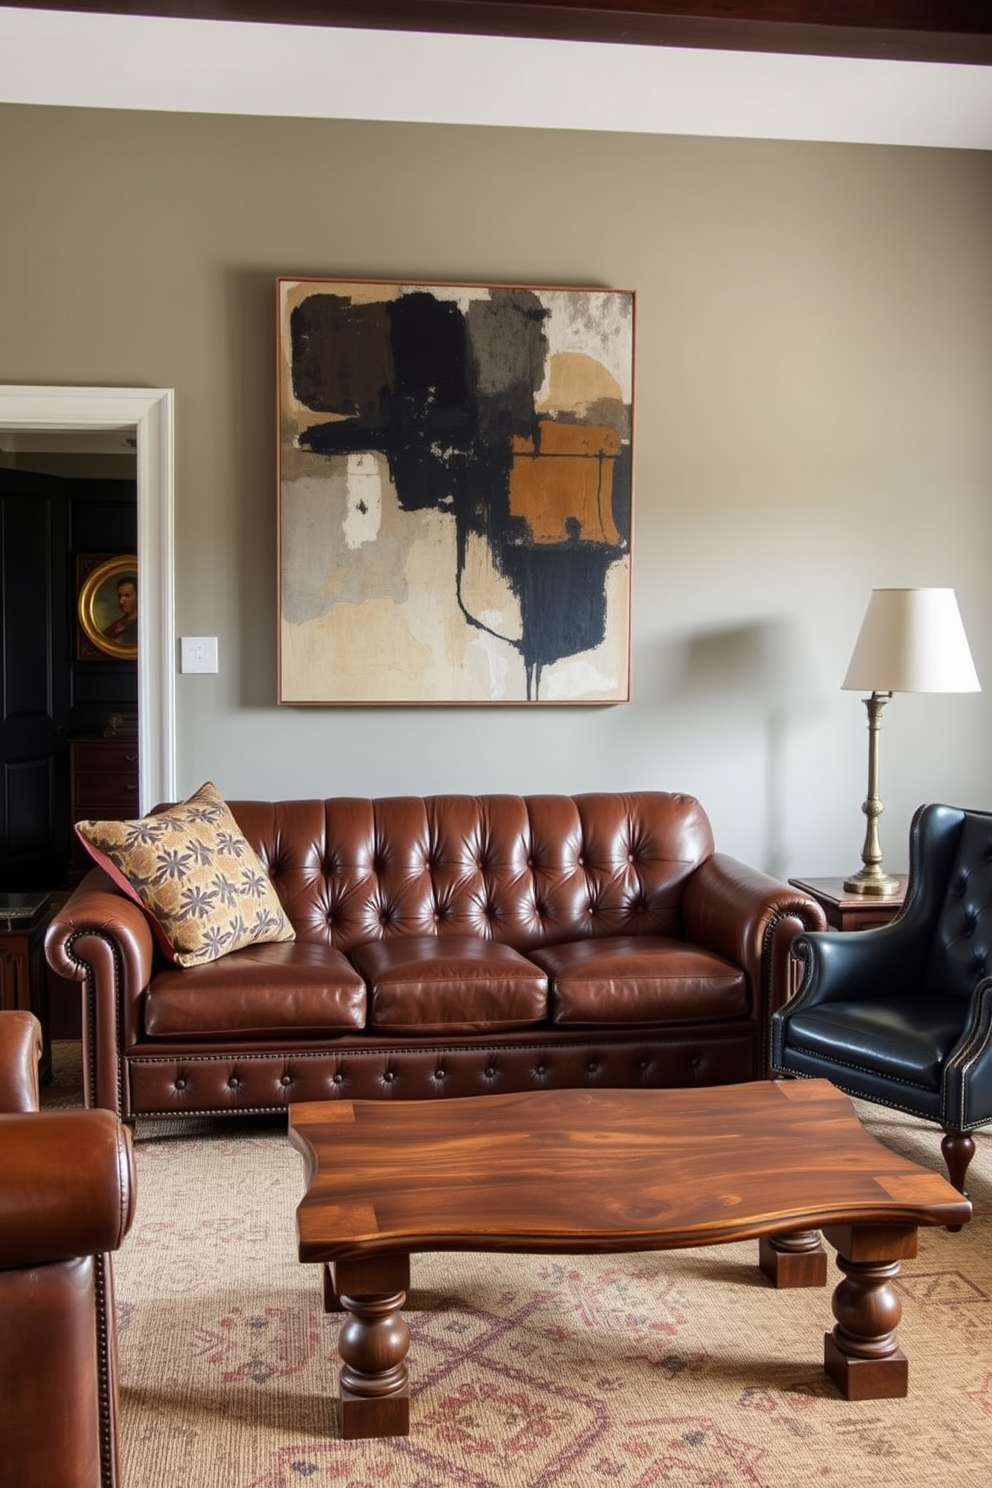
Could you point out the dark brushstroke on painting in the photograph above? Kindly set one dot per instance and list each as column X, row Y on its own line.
column 447, row 396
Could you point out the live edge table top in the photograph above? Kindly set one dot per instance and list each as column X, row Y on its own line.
column 588, row 1170
column 607, row 1170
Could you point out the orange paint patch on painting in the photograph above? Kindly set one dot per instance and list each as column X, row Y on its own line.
column 562, row 484
column 569, row 439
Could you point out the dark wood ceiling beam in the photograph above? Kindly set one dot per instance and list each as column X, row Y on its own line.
column 906, row 30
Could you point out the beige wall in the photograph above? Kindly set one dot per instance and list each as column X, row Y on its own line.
column 814, row 380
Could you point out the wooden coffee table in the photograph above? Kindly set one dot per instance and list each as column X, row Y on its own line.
column 583, row 1171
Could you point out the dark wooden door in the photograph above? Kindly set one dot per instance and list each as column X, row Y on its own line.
column 34, row 681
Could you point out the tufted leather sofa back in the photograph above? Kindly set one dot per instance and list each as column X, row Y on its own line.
column 522, row 870
column 961, row 951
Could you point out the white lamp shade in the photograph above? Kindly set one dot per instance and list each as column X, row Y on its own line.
column 912, row 640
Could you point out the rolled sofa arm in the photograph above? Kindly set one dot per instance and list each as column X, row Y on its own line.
column 103, row 939
column 751, row 919
column 20, row 1050
column 67, row 1185
column 97, row 908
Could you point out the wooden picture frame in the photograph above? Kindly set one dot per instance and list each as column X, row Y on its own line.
column 107, row 606
column 454, row 491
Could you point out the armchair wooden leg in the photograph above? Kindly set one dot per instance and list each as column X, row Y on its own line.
column 958, row 1149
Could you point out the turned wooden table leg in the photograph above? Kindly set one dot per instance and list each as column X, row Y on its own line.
column 373, row 1341
column 862, row 1355
column 797, row 1259
column 375, row 1386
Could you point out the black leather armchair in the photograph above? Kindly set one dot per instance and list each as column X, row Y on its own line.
column 902, row 1015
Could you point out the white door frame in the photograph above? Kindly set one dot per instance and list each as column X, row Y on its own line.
column 150, row 412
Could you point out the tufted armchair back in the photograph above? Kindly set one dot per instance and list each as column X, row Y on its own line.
column 961, row 950
column 521, row 870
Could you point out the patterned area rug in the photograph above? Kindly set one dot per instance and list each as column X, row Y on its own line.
column 629, row 1371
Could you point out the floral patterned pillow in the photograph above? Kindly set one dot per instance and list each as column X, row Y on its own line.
column 194, row 874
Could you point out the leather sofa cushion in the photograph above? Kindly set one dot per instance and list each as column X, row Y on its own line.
column 641, row 979
column 450, row 984
column 290, row 988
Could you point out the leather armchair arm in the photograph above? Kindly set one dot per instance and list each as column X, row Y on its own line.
column 20, row 1050
column 840, row 965
column 67, row 1185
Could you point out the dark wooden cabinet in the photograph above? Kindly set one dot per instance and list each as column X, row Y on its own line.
column 103, row 786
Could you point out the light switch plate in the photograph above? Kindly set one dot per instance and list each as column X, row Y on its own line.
column 198, row 653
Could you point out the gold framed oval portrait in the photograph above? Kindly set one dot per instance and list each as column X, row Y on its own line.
column 107, row 607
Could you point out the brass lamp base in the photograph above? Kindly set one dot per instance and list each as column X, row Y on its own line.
column 872, row 885
column 871, row 881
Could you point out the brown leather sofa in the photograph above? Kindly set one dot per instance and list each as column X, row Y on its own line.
column 66, row 1201
column 446, row 946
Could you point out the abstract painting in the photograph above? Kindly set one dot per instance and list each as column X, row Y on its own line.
column 455, row 491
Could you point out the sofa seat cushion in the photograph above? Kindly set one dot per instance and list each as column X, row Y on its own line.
column 641, row 979
column 909, row 1039
column 286, row 988
column 450, row 984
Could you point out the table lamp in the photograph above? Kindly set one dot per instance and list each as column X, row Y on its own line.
column 911, row 640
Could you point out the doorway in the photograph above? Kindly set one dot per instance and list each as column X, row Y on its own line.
column 148, row 413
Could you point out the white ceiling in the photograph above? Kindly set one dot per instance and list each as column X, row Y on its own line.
column 138, row 62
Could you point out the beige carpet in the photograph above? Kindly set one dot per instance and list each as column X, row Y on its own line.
column 633, row 1371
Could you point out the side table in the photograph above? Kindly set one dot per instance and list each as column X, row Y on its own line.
column 846, row 911
column 23, row 984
